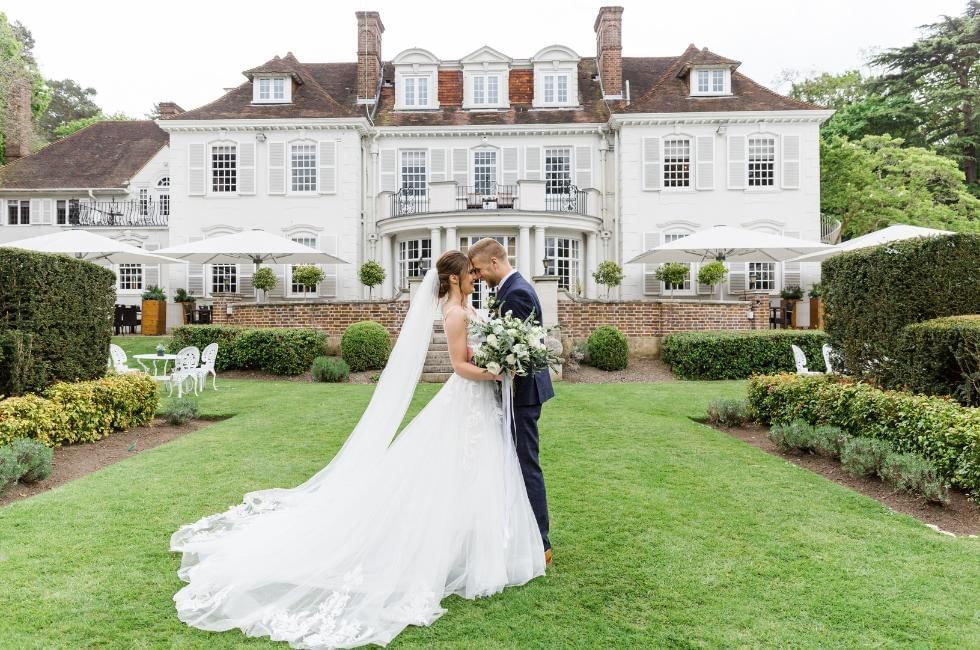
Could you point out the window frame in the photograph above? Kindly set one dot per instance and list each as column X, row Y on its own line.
column 548, row 185
column 419, row 185
column 495, row 165
column 130, row 267
column 405, row 262
column 416, row 82
column 774, row 277
column 21, row 205
column 665, row 142
column 709, row 73
column 235, row 279
column 573, row 264
column 301, row 238
column 162, row 188
column 233, row 189
column 315, row 150
column 258, row 82
column 485, row 98
column 773, row 183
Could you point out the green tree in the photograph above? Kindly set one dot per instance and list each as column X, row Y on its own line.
column 265, row 279
column 673, row 274
column 68, row 128
column 309, row 276
column 69, row 102
column 876, row 182
column 371, row 275
column 941, row 71
column 610, row 274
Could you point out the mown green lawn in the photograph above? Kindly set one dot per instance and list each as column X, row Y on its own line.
column 666, row 533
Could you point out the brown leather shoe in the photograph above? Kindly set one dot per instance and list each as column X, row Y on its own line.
column 547, row 558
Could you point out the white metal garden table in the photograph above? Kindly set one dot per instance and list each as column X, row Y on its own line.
column 166, row 358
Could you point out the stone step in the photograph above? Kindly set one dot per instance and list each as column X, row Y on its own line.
column 437, row 367
column 436, row 377
column 438, row 347
column 439, row 338
column 437, row 355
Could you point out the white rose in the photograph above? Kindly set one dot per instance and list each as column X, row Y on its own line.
column 493, row 368
column 492, row 340
column 511, row 359
column 498, row 329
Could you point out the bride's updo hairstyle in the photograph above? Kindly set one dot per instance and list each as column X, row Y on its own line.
column 451, row 263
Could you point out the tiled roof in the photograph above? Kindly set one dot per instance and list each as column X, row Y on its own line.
column 286, row 65
column 102, row 155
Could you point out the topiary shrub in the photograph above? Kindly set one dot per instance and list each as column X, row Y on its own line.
column 330, row 369
column 278, row 350
column 34, row 460
column 739, row 355
column 729, row 412
column 942, row 357
column 365, row 346
column 608, row 349
column 19, row 370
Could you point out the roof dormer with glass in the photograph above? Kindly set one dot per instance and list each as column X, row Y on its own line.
column 416, row 80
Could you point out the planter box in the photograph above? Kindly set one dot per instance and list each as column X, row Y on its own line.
column 154, row 317
column 789, row 308
column 816, row 313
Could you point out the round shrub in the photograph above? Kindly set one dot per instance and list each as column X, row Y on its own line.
column 34, row 460
column 9, row 468
column 180, row 410
column 365, row 346
column 330, row 369
column 864, row 456
column 608, row 349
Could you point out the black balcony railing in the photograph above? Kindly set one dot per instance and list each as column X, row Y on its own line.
column 408, row 202
column 571, row 200
column 112, row 213
column 489, row 197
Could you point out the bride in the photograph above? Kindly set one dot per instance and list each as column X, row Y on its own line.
column 374, row 541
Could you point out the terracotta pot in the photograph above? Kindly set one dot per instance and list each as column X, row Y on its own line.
column 154, row 317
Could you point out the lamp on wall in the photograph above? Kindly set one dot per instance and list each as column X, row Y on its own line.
column 260, row 137
column 548, row 266
column 722, row 128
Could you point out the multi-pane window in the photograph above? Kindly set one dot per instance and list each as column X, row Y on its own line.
column 163, row 189
column 272, row 89
column 414, row 259
column 416, row 91
column 224, row 278
column 710, row 82
column 413, row 173
column 67, row 212
column 485, row 172
column 144, row 202
column 563, row 255
column 762, row 162
column 556, row 89
column 717, row 81
column 18, row 213
column 762, row 276
column 305, row 240
column 677, row 162
column 557, row 170
column 302, row 165
column 703, row 81
column 686, row 284
column 130, row 277
column 224, row 168
column 486, row 89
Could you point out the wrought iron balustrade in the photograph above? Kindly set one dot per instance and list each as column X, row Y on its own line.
column 409, row 201
column 112, row 213
column 571, row 200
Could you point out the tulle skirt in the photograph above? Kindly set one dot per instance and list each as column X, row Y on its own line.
column 355, row 558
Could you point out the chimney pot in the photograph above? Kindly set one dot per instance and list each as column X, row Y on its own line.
column 168, row 110
column 19, row 130
column 609, row 50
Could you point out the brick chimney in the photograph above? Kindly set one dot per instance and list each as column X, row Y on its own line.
column 20, row 131
column 369, row 31
column 609, row 50
column 168, row 110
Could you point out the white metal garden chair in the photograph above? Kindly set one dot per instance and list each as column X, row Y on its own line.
column 208, row 357
column 827, row 351
column 185, row 367
column 118, row 360
column 800, row 359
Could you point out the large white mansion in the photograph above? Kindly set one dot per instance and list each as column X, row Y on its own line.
column 567, row 160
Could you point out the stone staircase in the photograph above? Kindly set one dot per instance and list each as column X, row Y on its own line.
column 437, row 368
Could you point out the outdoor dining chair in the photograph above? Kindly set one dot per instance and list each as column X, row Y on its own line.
column 118, row 360
column 185, row 367
column 208, row 357
column 800, row 358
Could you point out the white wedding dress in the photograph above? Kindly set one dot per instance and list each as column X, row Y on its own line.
column 374, row 541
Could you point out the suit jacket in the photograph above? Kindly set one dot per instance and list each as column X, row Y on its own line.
column 517, row 295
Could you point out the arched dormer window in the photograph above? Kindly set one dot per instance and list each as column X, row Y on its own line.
column 555, row 77
column 416, row 80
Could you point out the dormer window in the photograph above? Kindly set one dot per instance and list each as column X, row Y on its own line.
column 711, row 81
column 272, row 90
column 486, row 79
column 486, row 89
column 555, row 77
column 415, row 92
column 416, row 80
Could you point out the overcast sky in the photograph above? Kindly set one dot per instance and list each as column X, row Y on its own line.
column 135, row 53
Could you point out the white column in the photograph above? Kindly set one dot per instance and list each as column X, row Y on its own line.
column 591, row 257
column 436, row 238
column 536, row 263
column 451, row 240
column 524, row 251
column 387, row 290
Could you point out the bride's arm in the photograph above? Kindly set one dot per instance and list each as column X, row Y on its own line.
column 459, row 352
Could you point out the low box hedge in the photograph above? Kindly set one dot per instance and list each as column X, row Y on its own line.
column 942, row 357
column 944, row 432
column 277, row 350
column 739, row 355
column 81, row 411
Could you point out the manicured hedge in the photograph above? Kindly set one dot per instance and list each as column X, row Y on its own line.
column 870, row 295
column 739, row 355
column 365, row 346
column 80, row 411
column 19, row 370
column 942, row 357
column 67, row 306
column 608, row 348
column 937, row 428
column 277, row 350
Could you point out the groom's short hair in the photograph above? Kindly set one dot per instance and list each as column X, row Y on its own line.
column 489, row 247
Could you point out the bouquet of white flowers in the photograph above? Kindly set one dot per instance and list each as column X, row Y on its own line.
column 511, row 346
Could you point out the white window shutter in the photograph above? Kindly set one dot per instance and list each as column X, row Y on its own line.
column 651, row 285
column 35, row 215
column 583, row 167
column 791, row 162
column 328, row 167
column 195, row 169
column 195, row 276
column 151, row 272
column 246, row 168
column 792, row 274
column 737, row 282
column 510, row 165
column 736, row 162
column 532, row 163
column 460, row 166
column 437, row 158
column 47, row 208
column 389, row 170
column 277, row 168
column 704, row 177
column 652, row 176
column 328, row 288
column 245, row 273
column 279, row 270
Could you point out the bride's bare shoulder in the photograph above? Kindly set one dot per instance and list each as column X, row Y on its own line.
column 454, row 313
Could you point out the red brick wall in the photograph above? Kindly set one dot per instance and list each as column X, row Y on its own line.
column 450, row 87
column 521, row 86
column 330, row 317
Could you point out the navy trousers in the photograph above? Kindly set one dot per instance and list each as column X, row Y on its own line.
column 526, row 441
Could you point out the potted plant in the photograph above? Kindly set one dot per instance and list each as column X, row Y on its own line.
column 186, row 301
column 712, row 274
column 371, row 275
column 673, row 274
column 154, row 311
column 816, row 306
column 790, row 296
column 610, row 274
column 309, row 276
column 266, row 280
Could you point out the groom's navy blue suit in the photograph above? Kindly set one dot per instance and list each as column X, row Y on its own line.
column 516, row 295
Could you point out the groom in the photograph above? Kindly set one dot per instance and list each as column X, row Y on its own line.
column 488, row 261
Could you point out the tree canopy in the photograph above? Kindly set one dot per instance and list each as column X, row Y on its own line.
column 69, row 102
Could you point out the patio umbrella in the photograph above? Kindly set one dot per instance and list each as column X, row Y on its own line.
column 256, row 246
column 86, row 245
column 885, row 235
column 729, row 244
